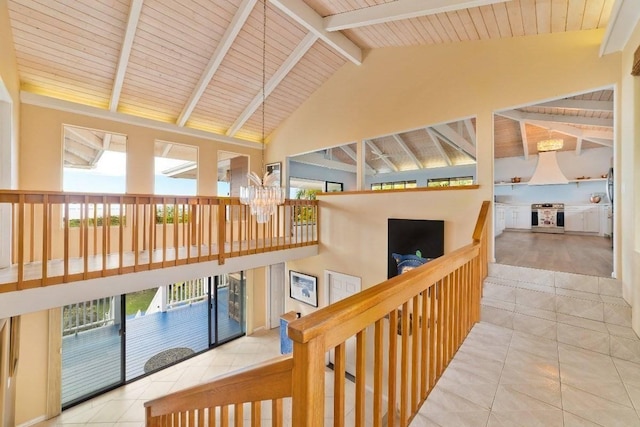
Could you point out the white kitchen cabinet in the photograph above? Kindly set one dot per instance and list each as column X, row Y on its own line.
column 583, row 219
column 518, row 217
column 606, row 221
column 499, row 220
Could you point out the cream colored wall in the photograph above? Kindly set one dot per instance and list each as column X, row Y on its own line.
column 9, row 76
column 41, row 155
column 629, row 179
column 256, row 299
column 353, row 233
column 397, row 89
column 31, row 398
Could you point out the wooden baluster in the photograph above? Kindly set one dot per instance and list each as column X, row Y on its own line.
column 121, row 236
column 32, row 233
column 224, row 416
column 238, row 415
column 106, row 225
column 21, row 232
column 404, row 365
column 393, row 355
column 221, row 231
column 415, row 353
column 424, row 347
column 433, row 344
column 378, row 360
column 66, row 239
column 276, row 413
column 46, row 238
column 361, row 377
column 339, row 385
column 256, row 409
column 135, row 232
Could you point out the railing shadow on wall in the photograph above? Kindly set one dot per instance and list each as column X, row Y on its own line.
column 398, row 358
column 66, row 237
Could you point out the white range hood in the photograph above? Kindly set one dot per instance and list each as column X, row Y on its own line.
column 547, row 171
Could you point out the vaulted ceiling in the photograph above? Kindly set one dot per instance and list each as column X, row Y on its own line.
column 198, row 63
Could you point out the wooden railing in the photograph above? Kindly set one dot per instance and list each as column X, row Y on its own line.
column 396, row 339
column 66, row 237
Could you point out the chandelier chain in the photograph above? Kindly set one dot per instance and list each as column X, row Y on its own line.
column 264, row 77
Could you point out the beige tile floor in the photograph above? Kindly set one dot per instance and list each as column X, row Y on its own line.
column 499, row 377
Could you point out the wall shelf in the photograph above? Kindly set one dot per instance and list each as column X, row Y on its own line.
column 571, row 181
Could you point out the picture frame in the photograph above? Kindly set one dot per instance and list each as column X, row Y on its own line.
column 303, row 287
column 275, row 168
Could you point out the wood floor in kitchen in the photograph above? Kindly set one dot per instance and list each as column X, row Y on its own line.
column 570, row 253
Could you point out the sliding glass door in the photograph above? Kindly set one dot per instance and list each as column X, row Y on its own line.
column 92, row 348
column 110, row 341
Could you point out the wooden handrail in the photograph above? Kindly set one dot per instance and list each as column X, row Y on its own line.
column 267, row 381
column 417, row 321
column 124, row 233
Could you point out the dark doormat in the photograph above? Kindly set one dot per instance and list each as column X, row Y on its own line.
column 167, row 357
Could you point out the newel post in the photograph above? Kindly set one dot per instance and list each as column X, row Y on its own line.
column 308, row 382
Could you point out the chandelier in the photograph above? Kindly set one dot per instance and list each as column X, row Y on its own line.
column 550, row 144
column 263, row 195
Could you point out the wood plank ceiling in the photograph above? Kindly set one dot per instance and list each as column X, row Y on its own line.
column 198, row 63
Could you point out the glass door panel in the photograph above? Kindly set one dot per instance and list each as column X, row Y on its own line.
column 92, row 348
column 227, row 308
column 165, row 325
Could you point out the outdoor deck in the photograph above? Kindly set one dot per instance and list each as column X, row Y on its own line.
column 91, row 359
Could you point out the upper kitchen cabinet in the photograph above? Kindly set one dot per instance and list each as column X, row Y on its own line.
column 436, row 155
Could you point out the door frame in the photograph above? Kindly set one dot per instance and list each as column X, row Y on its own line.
column 270, row 293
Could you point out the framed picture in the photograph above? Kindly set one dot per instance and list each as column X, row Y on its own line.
column 303, row 287
column 332, row 187
column 274, row 169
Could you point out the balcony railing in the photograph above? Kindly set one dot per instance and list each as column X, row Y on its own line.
column 400, row 335
column 66, row 237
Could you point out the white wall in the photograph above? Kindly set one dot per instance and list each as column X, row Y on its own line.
column 303, row 170
column 590, row 163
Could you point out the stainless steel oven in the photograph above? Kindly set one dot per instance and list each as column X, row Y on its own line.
column 547, row 217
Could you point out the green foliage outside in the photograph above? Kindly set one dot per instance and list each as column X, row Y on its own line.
column 113, row 221
column 139, row 301
column 305, row 214
column 183, row 215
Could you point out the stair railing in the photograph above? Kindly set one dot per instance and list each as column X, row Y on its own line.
column 393, row 340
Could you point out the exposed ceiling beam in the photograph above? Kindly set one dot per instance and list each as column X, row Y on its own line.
column 579, row 104
column 274, row 81
column 349, row 152
column 304, row 15
column 435, row 139
column 167, row 147
column 456, row 139
column 125, row 52
column 398, row 10
column 79, row 154
column 106, row 141
column 597, row 136
column 407, row 150
column 623, row 19
column 91, row 141
column 525, row 140
column 224, row 45
column 317, row 159
column 553, row 118
column 180, row 169
column 578, row 146
column 30, row 98
column 471, row 131
column 381, row 155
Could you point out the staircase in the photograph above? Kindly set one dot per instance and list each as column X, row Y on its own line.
column 579, row 310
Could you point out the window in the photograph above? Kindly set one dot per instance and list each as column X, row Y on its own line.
column 450, row 182
column 396, row 185
column 175, row 169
